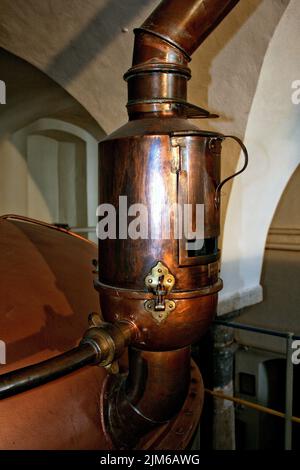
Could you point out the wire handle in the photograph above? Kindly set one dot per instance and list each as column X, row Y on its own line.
column 221, row 184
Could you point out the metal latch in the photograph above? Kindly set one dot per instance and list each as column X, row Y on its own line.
column 178, row 148
column 160, row 282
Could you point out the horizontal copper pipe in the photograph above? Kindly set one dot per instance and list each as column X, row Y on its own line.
column 29, row 377
column 101, row 344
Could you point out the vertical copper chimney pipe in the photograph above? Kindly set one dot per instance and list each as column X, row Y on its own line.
column 158, row 77
column 167, row 287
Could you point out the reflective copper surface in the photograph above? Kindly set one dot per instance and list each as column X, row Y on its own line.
column 158, row 159
column 46, row 292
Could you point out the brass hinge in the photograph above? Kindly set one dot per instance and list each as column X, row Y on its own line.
column 160, row 282
column 178, row 154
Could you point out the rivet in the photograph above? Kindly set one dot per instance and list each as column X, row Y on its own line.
column 150, row 281
column 169, row 281
column 159, row 270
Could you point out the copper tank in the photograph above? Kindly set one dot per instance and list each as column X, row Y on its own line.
column 46, row 291
column 167, row 287
column 158, row 295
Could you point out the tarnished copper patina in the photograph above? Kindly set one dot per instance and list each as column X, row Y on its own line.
column 167, row 287
column 158, row 295
column 46, row 291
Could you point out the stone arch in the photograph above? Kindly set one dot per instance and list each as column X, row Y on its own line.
column 36, row 105
column 272, row 138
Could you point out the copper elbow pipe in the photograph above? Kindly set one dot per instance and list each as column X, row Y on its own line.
column 186, row 24
column 29, row 377
column 152, row 394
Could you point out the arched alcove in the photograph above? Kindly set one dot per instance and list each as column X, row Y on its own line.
column 272, row 138
column 279, row 309
column 48, row 149
column 55, row 165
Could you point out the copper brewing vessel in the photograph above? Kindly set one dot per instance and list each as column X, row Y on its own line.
column 167, row 286
column 158, row 295
column 46, row 291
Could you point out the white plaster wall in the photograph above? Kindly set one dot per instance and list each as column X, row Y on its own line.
column 13, row 175
column 42, row 161
column 272, row 138
column 91, row 145
column 225, row 72
column 67, row 182
column 80, row 45
column 83, row 47
column 288, row 210
column 42, row 176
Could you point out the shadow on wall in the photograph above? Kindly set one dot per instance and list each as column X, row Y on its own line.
column 226, row 71
column 227, row 66
column 84, row 44
column 32, row 95
column 272, row 139
column 280, row 274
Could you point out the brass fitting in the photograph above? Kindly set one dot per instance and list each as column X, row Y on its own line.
column 109, row 340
